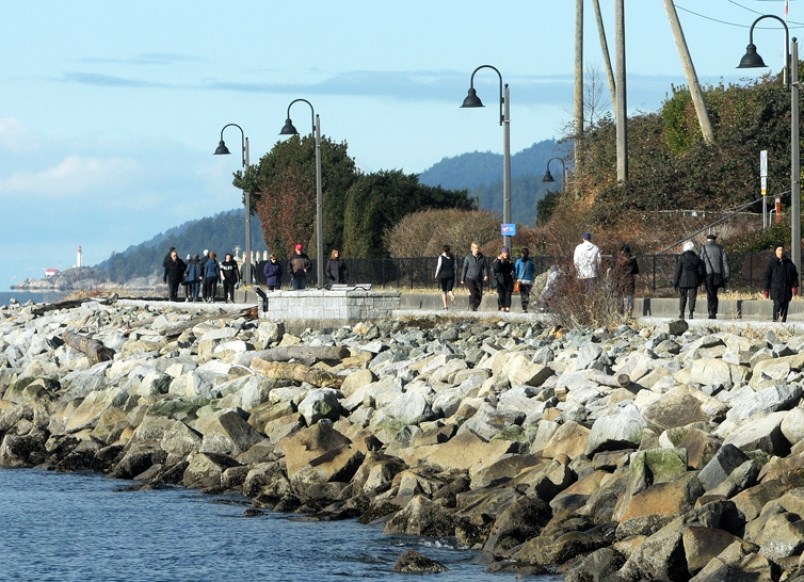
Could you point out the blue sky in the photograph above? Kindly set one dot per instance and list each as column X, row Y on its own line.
column 110, row 111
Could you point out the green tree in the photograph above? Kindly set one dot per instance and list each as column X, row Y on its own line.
column 376, row 202
column 283, row 191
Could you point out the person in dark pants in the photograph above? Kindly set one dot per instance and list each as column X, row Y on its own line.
column 212, row 272
column 689, row 274
column 475, row 274
column 445, row 274
column 202, row 267
column 231, row 277
column 717, row 272
column 298, row 265
column 503, row 270
column 780, row 282
column 174, row 274
column 626, row 269
column 525, row 270
column 335, row 271
column 273, row 273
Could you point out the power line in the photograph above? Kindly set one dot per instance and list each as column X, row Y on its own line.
column 735, row 24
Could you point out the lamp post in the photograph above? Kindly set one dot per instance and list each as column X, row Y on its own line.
column 472, row 100
column 752, row 59
column 548, row 177
column 223, row 150
column 289, row 129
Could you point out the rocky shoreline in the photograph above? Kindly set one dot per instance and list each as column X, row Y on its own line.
column 645, row 452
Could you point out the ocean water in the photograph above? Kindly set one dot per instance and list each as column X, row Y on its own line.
column 86, row 527
column 35, row 296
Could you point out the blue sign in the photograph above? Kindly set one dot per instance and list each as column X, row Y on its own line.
column 508, row 229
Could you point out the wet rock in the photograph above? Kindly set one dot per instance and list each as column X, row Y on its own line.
column 415, row 563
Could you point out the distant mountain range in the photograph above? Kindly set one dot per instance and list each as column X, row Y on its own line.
column 479, row 172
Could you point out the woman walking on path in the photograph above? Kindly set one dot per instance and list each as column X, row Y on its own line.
column 193, row 278
column 475, row 273
column 212, row 273
column 626, row 269
column 445, row 274
column 174, row 274
column 335, row 271
column 690, row 273
column 273, row 273
column 780, row 282
column 230, row 275
column 524, row 276
column 503, row 270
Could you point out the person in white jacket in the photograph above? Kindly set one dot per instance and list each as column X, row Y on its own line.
column 587, row 260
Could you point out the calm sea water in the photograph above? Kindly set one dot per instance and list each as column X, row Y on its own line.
column 24, row 296
column 86, row 527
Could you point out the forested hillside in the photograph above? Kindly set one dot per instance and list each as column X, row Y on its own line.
column 481, row 174
column 220, row 233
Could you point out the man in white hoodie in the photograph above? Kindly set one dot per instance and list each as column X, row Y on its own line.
column 587, row 260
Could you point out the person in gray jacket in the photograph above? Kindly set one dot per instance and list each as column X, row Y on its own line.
column 474, row 275
column 717, row 272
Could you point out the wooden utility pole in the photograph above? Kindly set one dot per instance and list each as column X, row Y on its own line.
column 620, row 110
column 604, row 49
column 578, row 89
column 689, row 72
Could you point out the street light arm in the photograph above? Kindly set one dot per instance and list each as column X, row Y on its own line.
column 787, row 63
column 312, row 110
column 472, row 86
column 243, row 141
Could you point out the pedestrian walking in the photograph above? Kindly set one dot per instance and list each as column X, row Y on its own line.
column 273, row 273
column 445, row 274
column 780, row 282
column 475, row 273
column 193, row 278
column 298, row 265
column 588, row 260
column 174, row 274
column 212, row 273
column 230, row 275
column 525, row 270
column 717, row 272
column 625, row 271
column 335, row 271
column 690, row 273
column 503, row 270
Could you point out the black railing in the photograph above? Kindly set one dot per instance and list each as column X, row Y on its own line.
column 656, row 272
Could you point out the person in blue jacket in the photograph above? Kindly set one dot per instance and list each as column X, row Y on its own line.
column 524, row 277
column 192, row 276
column 212, row 272
column 273, row 273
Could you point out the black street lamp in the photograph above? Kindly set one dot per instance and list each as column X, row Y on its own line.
column 472, row 100
column 289, row 129
column 223, row 150
column 752, row 59
column 548, row 177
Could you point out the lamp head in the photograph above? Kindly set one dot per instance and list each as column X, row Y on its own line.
column 289, row 129
column 222, row 150
column 472, row 100
column 548, row 177
column 751, row 59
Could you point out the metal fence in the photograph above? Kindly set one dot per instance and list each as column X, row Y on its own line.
column 656, row 272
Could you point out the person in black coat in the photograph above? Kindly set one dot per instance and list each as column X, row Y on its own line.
column 780, row 282
column 174, row 274
column 690, row 273
column 335, row 271
column 503, row 270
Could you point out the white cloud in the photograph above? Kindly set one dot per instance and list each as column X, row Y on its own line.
column 15, row 136
column 72, row 176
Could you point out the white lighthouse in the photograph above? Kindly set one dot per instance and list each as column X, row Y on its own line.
column 78, row 262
